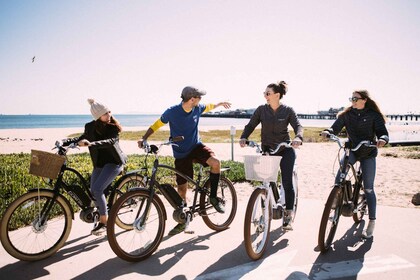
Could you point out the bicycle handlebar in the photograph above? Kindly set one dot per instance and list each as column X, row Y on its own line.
column 253, row 144
column 62, row 150
column 153, row 149
column 336, row 139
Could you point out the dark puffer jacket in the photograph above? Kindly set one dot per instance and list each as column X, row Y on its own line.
column 361, row 125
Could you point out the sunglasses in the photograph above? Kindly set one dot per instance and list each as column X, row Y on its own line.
column 199, row 97
column 265, row 93
column 354, row 99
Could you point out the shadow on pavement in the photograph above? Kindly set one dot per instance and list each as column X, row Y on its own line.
column 152, row 266
column 32, row 270
column 238, row 256
column 343, row 260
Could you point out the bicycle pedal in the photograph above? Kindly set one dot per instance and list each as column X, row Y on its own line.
column 189, row 231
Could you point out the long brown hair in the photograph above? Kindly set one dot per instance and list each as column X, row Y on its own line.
column 101, row 126
column 370, row 103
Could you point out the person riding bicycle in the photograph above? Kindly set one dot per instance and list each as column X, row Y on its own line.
column 363, row 120
column 102, row 137
column 275, row 118
column 183, row 121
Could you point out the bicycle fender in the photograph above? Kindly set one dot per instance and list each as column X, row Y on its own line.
column 137, row 171
column 60, row 195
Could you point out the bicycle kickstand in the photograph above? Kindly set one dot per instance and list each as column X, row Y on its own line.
column 187, row 224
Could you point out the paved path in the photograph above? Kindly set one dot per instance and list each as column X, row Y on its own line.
column 393, row 253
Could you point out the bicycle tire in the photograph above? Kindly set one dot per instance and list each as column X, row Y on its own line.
column 226, row 192
column 22, row 236
column 134, row 244
column 330, row 218
column 129, row 182
column 257, row 224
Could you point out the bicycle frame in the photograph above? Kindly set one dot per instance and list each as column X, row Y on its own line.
column 194, row 208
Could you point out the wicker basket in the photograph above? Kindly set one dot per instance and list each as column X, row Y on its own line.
column 262, row 168
column 45, row 164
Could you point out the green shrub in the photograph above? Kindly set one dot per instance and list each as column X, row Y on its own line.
column 15, row 179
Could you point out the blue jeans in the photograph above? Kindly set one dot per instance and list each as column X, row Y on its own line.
column 369, row 172
column 101, row 178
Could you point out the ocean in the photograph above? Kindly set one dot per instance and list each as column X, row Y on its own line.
column 127, row 121
column 64, row 121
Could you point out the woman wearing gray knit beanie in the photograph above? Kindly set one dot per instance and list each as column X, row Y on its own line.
column 101, row 136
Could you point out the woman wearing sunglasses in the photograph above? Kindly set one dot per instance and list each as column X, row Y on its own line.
column 364, row 120
column 275, row 118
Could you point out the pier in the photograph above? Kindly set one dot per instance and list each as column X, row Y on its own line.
column 406, row 117
column 242, row 115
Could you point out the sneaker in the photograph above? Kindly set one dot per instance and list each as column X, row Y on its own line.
column 99, row 229
column 368, row 232
column 217, row 205
column 177, row 229
column 287, row 220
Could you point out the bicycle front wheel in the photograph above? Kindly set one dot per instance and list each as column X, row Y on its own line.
column 140, row 241
column 330, row 219
column 227, row 195
column 129, row 182
column 257, row 224
column 35, row 226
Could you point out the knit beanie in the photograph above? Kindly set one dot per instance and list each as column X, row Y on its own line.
column 97, row 109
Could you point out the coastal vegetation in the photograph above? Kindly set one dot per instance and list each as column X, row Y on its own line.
column 311, row 134
column 15, row 179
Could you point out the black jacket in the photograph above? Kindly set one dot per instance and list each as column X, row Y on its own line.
column 105, row 147
column 362, row 125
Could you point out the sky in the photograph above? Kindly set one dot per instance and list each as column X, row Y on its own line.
column 136, row 56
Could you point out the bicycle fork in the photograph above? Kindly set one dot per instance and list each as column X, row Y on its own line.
column 269, row 199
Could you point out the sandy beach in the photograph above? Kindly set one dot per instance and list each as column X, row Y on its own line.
column 397, row 178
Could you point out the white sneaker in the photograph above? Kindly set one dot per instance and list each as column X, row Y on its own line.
column 287, row 220
column 368, row 232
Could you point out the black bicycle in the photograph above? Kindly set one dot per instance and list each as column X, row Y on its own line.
column 38, row 223
column 347, row 197
column 144, row 210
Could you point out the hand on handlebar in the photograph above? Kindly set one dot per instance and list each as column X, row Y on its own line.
column 325, row 134
column 380, row 143
column 142, row 143
column 242, row 142
column 296, row 143
column 83, row 143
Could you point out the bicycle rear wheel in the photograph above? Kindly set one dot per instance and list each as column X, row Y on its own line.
column 227, row 194
column 129, row 182
column 330, row 219
column 257, row 224
column 137, row 243
column 29, row 233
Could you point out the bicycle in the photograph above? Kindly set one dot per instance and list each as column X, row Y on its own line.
column 347, row 197
column 38, row 223
column 144, row 210
column 265, row 202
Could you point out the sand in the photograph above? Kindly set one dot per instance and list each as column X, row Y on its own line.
column 397, row 178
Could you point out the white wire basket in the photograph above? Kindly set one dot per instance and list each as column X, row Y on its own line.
column 261, row 168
